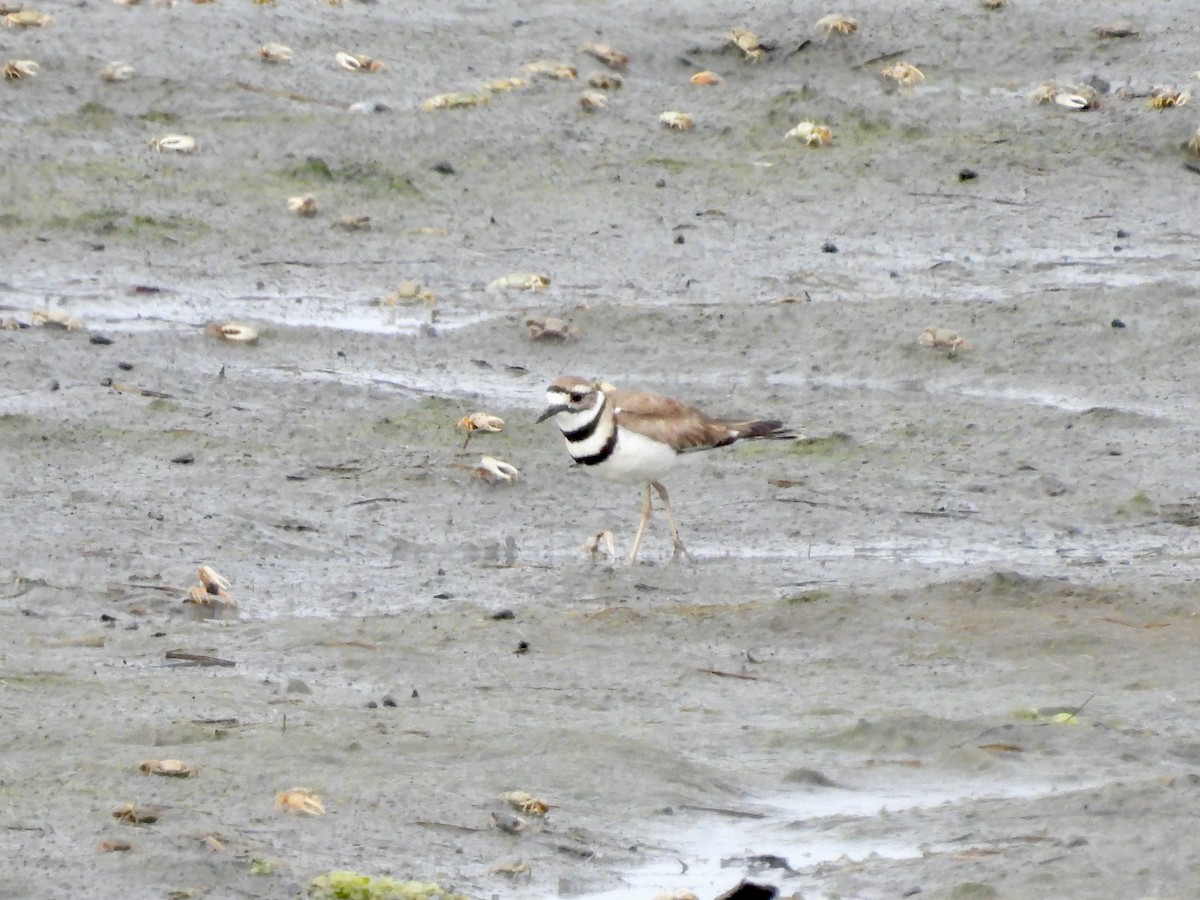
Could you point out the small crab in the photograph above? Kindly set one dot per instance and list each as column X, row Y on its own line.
column 811, row 133
column 180, row 143
column 1166, row 98
column 28, row 18
column 16, row 69
column 494, row 471
column 549, row 328
column 748, row 43
column 994, row 4
column 114, row 846
column 300, row 802
column 454, row 101
column 905, row 74
column 590, row 101
column 707, row 78
column 549, row 68
column 409, row 290
column 501, row 85
column 232, row 331
column 358, row 63
column 116, row 71
column 480, row 421
column 172, row 768
column 1068, row 97
column 1193, row 145
column 1119, row 29
column 605, row 81
column 512, row 870
column 305, row 207
column 137, row 815
column 55, row 318
column 525, row 802
column 274, row 53
column 352, row 222
column 943, row 339
column 519, row 281
column 677, row 121
column 834, row 23
column 598, row 540
column 212, row 592
column 607, row 54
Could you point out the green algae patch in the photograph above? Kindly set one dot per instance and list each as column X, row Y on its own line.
column 346, row 885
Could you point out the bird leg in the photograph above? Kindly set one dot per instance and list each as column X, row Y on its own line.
column 680, row 550
column 641, row 529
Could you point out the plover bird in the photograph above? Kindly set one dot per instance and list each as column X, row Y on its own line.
column 635, row 437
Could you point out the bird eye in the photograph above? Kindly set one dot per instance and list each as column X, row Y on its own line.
column 576, row 396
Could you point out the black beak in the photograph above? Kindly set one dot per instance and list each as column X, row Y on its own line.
column 552, row 411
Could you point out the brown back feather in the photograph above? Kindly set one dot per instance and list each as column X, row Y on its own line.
column 671, row 421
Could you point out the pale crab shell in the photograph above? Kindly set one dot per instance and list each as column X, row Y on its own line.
column 410, row 290
column 20, row 68
column 179, row 143
column 607, row 54
column 811, row 133
column 28, row 18
column 1119, row 29
column 495, row 471
column 519, row 281
column 116, row 71
column 677, row 121
column 173, row 768
column 1167, row 98
column 747, row 42
column 213, row 581
column 834, row 23
column 300, row 802
column 943, row 339
column 500, row 85
column 551, row 69
column 274, row 53
column 549, row 328
column 306, row 206
column 707, row 78
column 592, row 100
column 905, row 73
column 56, row 318
column 232, row 331
column 455, row 100
column 481, row 421
column 1071, row 101
column 358, row 63
column 525, row 802
column 1194, row 144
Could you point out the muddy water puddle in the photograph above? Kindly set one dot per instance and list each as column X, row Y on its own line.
column 802, row 831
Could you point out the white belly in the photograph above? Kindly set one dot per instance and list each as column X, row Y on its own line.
column 637, row 460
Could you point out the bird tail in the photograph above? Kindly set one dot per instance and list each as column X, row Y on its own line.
column 771, row 429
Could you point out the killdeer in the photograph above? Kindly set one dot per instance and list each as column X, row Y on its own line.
column 634, row 437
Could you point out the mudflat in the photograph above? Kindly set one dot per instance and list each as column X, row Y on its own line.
column 942, row 646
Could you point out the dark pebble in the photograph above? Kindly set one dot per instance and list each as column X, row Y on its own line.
column 444, row 595
column 522, row 647
column 1117, row 323
column 414, row 695
column 661, row 183
column 829, row 247
column 503, row 615
column 1122, row 233
column 101, row 340
column 54, row 385
column 443, row 168
column 389, row 702
column 679, row 239
column 371, row 704
column 967, row 174
column 107, row 618
column 125, row 366
column 185, row 459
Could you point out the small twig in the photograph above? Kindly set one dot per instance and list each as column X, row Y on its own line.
column 722, row 811
column 197, row 659
column 941, row 196
column 379, row 500
column 721, row 674
column 287, row 95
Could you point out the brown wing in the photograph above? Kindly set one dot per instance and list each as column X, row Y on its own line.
column 670, row 421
